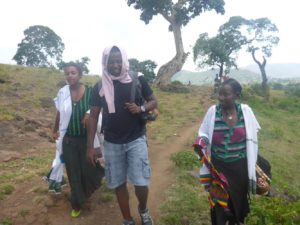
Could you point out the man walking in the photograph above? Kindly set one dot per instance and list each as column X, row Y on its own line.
column 125, row 146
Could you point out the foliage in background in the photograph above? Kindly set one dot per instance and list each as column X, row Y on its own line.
column 82, row 63
column 177, row 15
column 219, row 51
column 41, row 47
column 261, row 36
column 145, row 67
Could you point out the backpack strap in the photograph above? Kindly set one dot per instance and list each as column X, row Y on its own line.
column 135, row 86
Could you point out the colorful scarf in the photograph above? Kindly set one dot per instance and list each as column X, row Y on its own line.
column 214, row 182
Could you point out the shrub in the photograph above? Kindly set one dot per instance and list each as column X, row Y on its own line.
column 274, row 211
column 176, row 87
column 185, row 160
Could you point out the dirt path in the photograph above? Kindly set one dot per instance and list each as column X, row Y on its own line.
column 27, row 206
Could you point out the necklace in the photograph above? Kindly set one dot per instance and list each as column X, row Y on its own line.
column 228, row 115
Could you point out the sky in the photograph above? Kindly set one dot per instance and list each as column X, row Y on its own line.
column 86, row 27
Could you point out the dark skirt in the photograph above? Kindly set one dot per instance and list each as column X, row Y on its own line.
column 237, row 176
column 83, row 178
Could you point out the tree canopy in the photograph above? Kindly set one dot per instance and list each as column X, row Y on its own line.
column 258, row 35
column 146, row 67
column 41, row 47
column 220, row 51
column 177, row 14
column 261, row 35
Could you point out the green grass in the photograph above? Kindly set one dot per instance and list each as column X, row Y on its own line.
column 186, row 202
column 6, row 221
column 175, row 111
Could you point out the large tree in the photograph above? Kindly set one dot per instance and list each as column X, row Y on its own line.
column 262, row 36
column 177, row 14
column 41, row 47
column 219, row 51
column 145, row 67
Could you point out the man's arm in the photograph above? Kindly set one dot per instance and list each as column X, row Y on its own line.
column 91, row 131
column 151, row 103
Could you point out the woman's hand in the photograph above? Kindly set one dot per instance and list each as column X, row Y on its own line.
column 198, row 150
column 85, row 120
column 91, row 156
column 55, row 135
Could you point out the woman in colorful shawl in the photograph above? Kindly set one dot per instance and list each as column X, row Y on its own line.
column 227, row 146
column 72, row 103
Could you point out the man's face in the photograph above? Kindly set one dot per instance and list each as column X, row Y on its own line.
column 114, row 64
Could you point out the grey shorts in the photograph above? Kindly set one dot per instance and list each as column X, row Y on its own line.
column 127, row 162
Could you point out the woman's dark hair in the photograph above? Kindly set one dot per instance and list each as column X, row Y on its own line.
column 234, row 84
column 76, row 65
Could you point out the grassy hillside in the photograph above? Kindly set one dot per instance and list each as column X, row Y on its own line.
column 27, row 114
column 23, row 89
column 26, row 99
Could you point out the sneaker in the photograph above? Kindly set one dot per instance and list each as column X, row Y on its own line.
column 63, row 183
column 128, row 222
column 75, row 213
column 146, row 217
column 57, row 189
column 51, row 187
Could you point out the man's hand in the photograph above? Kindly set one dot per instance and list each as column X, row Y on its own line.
column 91, row 156
column 133, row 108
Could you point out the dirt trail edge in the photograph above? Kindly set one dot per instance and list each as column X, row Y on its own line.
column 29, row 206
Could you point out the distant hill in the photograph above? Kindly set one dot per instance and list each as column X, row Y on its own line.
column 207, row 77
column 245, row 75
column 278, row 70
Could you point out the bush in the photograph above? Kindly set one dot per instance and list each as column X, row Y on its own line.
column 293, row 90
column 185, row 160
column 274, row 211
column 176, row 87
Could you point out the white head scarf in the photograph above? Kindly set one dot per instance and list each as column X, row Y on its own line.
column 107, row 89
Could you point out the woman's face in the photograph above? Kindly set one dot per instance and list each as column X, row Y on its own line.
column 72, row 75
column 227, row 96
column 114, row 64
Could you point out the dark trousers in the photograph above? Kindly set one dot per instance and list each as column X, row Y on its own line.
column 83, row 178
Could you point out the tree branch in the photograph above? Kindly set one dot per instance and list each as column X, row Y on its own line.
column 253, row 56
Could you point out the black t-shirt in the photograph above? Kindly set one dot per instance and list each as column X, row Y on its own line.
column 122, row 126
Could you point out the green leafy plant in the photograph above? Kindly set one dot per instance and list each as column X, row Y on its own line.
column 186, row 160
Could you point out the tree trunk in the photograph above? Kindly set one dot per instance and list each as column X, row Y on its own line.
column 262, row 69
column 167, row 70
column 221, row 71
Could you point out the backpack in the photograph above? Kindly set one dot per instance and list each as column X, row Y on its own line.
column 136, row 90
